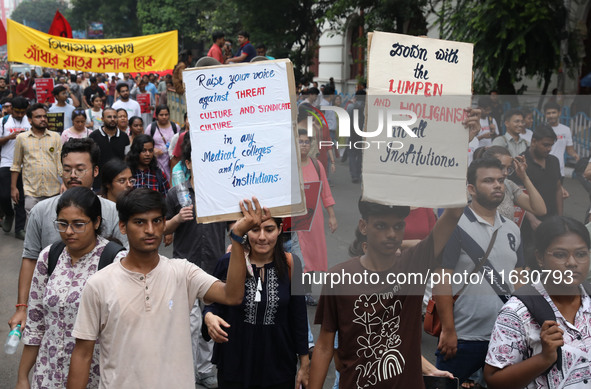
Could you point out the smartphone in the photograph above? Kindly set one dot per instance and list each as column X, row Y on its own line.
column 432, row 382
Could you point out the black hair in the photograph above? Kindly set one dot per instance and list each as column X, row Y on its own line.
column 313, row 91
column 92, row 80
column 121, row 85
column 133, row 119
column 85, row 199
column 160, row 107
column 139, row 200
column 109, row 171
column 367, row 209
column 82, row 145
column 217, row 35
column 58, row 89
column 122, row 110
column 304, row 132
column 512, row 112
column 279, row 257
column 479, row 164
column 73, row 78
column 495, row 152
column 32, row 108
column 543, row 130
column 133, row 156
column 479, row 152
column 108, row 109
column 94, row 97
column 244, row 34
column 20, row 102
column 261, row 46
column 78, row 112
column 557, row 226
column 186, row 147
column 552, row 105
column 485, row 102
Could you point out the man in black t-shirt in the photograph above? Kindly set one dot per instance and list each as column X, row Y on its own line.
column 93, row 89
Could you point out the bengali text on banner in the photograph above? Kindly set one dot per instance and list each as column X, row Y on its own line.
column 136, row 54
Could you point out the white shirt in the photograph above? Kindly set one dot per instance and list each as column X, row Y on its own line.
column 485, row 128
column 10, row 127
column 131, row 106
column 564, row 138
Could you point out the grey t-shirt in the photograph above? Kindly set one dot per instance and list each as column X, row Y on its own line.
column 41, row 231
column 67, row 111
column 512, row 192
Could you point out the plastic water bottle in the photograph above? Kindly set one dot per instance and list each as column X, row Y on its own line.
column 14, row 338
column 183, row 194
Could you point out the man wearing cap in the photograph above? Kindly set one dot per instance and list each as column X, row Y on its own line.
column 62, row 107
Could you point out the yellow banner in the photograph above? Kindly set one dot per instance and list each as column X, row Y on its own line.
column 137, row 54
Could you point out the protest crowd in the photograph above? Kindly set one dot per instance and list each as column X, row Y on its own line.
column 96, row 180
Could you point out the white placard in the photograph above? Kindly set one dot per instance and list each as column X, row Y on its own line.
column 432, row 78
column 242, row 132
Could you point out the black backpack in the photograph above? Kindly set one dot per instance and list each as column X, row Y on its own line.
column 108, row 255
column 541, row 311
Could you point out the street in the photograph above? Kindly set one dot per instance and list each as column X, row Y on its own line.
column 346, row 196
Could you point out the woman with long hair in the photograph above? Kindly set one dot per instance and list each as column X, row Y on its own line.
column 143, row 165
column 162, row 130
column 116, row 179
column 54, row 298
column 270, row 326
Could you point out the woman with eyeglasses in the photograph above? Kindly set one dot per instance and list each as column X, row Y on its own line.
column 53, row 300
column 116, row 179
column 529, row 200
column 555, row 354
column 78, row 129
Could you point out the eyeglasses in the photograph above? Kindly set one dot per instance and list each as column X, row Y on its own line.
column 508, row 170
column 77, row 227
column 581, row 256
column 122, row 181
column 79, row 111
column 304, row 142
column 79, row 172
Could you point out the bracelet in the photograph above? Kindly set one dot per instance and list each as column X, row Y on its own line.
column 21, row 305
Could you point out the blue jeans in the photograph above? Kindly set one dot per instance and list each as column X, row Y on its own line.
column 469, row 358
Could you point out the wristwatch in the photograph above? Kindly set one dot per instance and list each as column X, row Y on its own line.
column 237, row 238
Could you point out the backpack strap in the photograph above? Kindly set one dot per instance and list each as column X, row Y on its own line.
column 152, row 129
column 109, row 253
column 174, row 127
column 317, row 167
column 54, row 253
column 540, row 311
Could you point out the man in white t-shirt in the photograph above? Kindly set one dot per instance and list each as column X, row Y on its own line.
column 61, row 106
column 13, row 125
column 488, row 124
column 131, row 106
column 138, row 308
column 564, row 141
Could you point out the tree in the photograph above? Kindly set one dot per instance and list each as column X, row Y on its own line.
column 38, row 14
column 512, row 39
column 118, row 16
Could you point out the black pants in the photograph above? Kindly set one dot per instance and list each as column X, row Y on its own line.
column 6, row 201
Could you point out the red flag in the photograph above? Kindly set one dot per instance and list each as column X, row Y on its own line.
column 2, row 34
column 60, row 26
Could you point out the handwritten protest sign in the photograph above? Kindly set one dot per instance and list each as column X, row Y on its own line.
column 135, row 54
column 44, row 88
column 416, row 150
column 242, row 126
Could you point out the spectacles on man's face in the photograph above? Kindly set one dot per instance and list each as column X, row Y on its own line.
column 77, row 227
column 79, row 172
column 561, row 256
column 122, row 181
column 304, row 142
column 508, row 170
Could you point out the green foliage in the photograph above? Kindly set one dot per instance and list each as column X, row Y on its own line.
column 118, row 16
column 157, row 16
column 511, row 39
column 38, row 14
column 401, row 16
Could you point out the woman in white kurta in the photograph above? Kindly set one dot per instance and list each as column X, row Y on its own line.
column 53, row 299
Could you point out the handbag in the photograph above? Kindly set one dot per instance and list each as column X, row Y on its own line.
column 432, row 322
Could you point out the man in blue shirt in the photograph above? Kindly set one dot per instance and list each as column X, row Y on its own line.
column 246, row 51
